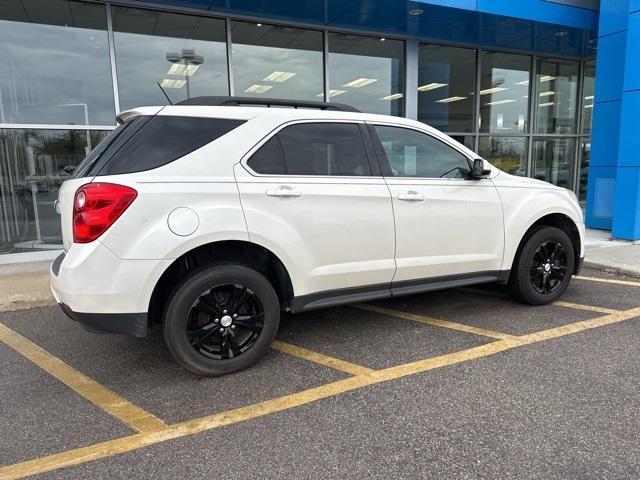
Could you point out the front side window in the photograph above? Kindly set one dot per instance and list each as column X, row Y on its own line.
column 335, row 149
column 415, row 154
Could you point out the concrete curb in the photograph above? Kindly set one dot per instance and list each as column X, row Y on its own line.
column 615, row 269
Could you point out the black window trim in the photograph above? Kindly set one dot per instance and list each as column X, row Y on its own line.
column 384, row 162
column 374, row 164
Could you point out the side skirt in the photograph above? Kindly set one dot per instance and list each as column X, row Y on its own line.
column 343, row 296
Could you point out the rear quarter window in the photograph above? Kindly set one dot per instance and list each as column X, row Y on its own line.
column 163, row 139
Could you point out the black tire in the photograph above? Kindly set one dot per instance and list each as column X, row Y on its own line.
column 199, row 301
column 543, row 268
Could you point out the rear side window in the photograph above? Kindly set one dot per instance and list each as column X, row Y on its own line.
column 324, row 149
column 161, row 140
column 268, row 159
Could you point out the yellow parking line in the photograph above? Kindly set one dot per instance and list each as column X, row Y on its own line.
column 327, row 361
column 609, row 280
column 110, row 402
column 190, row 427
column 589, row 308
column 434, row 321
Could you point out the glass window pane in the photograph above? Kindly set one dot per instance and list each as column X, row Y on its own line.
column 276, row 62
column 186, row 54
column 504, row 92
column 587, row 96
column 268, row 159
column 55, row 63
column 415, row 154
column 509, row 154
column 33, row 164
column 324, row 149
column 446, row 80
column 367, row 72
column 583, row 172
column 557, row 86
column 467, row 140
column 552, row 160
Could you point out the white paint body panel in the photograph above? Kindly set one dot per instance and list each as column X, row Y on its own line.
column 341, row 232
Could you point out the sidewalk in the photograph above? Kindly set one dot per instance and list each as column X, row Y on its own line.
column 26, row 285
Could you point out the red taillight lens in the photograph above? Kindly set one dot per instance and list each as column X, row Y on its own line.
column 96, row 206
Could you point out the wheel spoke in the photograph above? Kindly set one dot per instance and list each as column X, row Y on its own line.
column 556, row 252
column 209, row 305
column 238, row 297
column 234, row 348
column 202, row 334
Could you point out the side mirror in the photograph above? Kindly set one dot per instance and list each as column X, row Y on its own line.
column 478, row 171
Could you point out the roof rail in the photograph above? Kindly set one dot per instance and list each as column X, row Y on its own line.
column 268, row 102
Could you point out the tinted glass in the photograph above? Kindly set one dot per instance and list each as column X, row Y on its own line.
column 276, row 62
column 587, row 96
column 324, row 149
column 415, row 154
column 164, row 139
column 33, row 163
column 54, row 63
column 446, row 80
column 509, row 154
column 504, row 92
column 367, row 72
column 552, row 160
column 186, row 54
column 268, row 159
column 557, row 87
column 583, row 170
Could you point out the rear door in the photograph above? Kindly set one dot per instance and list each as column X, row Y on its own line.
column 446, row 224
column 311, row 195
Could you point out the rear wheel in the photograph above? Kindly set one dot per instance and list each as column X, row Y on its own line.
column 221, row 319
column 544, row 267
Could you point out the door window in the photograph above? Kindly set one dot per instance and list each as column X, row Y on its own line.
column 411, row 153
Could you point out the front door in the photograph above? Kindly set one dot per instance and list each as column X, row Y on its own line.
column 446, row 225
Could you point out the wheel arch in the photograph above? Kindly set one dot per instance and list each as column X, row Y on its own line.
column 558, row 220
column 240, row 252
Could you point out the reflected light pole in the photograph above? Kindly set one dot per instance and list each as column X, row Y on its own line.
column 189, row 62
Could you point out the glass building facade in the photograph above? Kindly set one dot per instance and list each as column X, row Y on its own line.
column 69, row 66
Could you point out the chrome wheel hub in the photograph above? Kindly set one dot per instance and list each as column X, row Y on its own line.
column 226, row 321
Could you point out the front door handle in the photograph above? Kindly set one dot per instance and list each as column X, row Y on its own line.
column 411, row 196
column 283, row 192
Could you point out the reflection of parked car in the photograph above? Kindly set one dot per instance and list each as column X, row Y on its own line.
column 211, row 220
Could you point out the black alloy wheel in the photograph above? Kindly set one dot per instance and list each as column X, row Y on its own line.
column 225, row 321
column 548, row 267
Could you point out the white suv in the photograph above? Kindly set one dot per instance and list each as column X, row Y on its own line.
column 212, row 216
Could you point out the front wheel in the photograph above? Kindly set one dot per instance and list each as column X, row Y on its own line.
column 221, row 319
column 544, row 267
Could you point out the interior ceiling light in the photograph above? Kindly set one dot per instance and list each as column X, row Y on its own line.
column 416, row 12
column 169, row 83
column 431, row 86
column 450, row 99
column 588, row 106
column 500, row 102
column 590, row 97
column 332, row 93
column 548, row 104
column 258, row 24
column 523, row 82
column 182, row 69
column 360, row 82
column 492, row 90
column 546, row 78
column 256, row 88
column 394, row 96
column 279, row 77
column 561, row 33
column 547, row 94
column 382, row 39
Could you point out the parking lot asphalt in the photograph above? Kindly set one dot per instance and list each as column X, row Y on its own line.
column 462, row 383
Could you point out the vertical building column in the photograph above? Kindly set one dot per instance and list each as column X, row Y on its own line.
column 411, row 79
column 613, row 196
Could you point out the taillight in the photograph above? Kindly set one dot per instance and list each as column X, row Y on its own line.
column 96, row 206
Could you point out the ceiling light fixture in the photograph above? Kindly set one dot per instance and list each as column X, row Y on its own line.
column 279, row 77
column 416, row 12
column 546, row 78
column 523, row 82
column 332, row 93
column 360, row 82
column 256, row 88
column 431, row 86
column 450, row 99
column 547, row 94
column 548, row 104
column 500, row 102
column 394, row 96
column 492, row 90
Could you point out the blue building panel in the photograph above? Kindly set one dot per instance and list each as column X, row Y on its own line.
column 613, row 16
column 610, row 74
column 626, row 216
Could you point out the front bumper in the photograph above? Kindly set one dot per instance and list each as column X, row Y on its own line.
column 134, row 324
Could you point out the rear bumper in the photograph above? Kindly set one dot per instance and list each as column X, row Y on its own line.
column 134, row 324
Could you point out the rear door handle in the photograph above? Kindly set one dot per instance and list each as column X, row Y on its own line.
column 411, row 196
column 283, row 192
